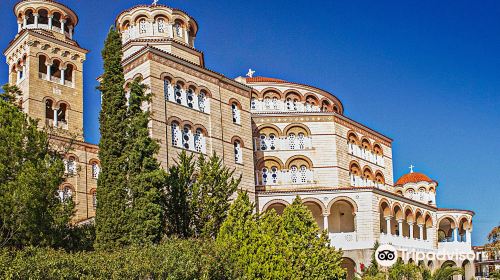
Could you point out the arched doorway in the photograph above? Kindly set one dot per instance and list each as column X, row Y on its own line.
column 342, row 217
column 350, row 266
column 317, row 213
column 278, row 207
column 468, row 270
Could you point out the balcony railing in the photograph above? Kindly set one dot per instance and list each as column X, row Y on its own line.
column 357, row 181
column 282, row 144
column 279, row 178
column 404, row 241
column 357, row 151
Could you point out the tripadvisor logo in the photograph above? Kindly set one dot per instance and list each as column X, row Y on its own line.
column 386, row 255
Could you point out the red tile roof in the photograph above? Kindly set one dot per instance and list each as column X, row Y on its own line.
column 413, row 177
column 264, row 80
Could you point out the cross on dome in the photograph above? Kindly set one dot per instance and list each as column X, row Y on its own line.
column 411, row 168
column 250, row 73
column 155, row 2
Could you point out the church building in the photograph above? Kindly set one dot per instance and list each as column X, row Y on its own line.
column 284, row 138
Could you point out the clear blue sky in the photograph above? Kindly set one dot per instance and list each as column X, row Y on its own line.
column 426, row 73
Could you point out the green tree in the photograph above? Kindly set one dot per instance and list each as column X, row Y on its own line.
column 10, row 93
column 30, row 174
column 270, row 246
column 176, row 194
column 144, row 175
column 442, row 273
column 197, row 196
column 111, row 223
column 402, row 271
column 212, row 189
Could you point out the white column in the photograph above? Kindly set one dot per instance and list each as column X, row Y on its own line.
column 467, row 236
column 421, row 230
column 50, row 22
column 186, row 37
column 411, row 230
column 400, row 227
column 48, row 71
column 455, row 234
column 325, row 222
column 55, row 117
column 170, row 29
column 25, row 21
column 71, row 32
column 36, row 20
column 63, row 22
column 388, row 225
column 62, row 75
column 19, row 26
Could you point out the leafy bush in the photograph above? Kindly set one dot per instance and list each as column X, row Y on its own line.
column 172, row 259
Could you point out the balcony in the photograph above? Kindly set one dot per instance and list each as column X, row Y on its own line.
column 369, row 156
column 282, row 144
column 281, row 178
column 454, row 246
column 403, row 241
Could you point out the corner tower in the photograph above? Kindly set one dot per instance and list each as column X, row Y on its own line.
column 193, row 109
column 47, row 65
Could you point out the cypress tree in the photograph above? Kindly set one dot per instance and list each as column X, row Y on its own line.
column 112, row 183
column 145, row 177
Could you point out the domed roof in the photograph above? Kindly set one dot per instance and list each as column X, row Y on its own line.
column 413, row 177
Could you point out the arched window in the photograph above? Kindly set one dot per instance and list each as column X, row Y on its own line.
column 42, row 67
column 262, row 142
column 95, row 170
column 168, row 90
column 187, row 137
column 43, row 17
column 199, row 141
column 30, row 18
column 176, row 134
column 61, row 116
column 289, row 104
column 253, row 103
column 71, row 165
column 302, row 141
column 161, row 25
column 303, row 174
column 274, row 175
column 49, row 112
column 308, row 106
column 236, row 113
column 178, row 30
column 272, row 141
column 142, row 26
column 267, row 103
column 190, row 98
column 178, row 94
column 293, row 174
column 291, row 141
column 202, row 98
column 94, row 199
column 55, row 71
column 68, row 75
column 275, row 103
column 65, row 193
column 264, row 175
column 238, row 154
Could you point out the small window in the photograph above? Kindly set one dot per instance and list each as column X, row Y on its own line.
column 175, row 134
column 142, row 26
column 161, row 25
column 65, row 194
column 190, row 98
column 253, row 103
column 95, row 170
column 236, row 113
column 178, row 94
column 71, row 166
column 94, row 200
column 202, row 99
column 238, row 155
column 186, row 137
column 199, row 141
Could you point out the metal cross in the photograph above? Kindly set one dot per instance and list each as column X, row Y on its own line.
column 155, row 2
column 411, row 168
column 250, row 73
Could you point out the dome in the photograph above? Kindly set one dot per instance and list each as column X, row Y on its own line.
column 413, row 177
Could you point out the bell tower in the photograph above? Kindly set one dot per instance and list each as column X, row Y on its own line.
column 47, row 65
